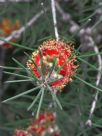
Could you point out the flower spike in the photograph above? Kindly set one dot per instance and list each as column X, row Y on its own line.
column 63, row 69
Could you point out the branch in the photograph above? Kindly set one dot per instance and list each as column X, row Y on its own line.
column 2, row 57
column 98, row 78
column 67, row 18
column 87, row 41
column 16, row 34
column 3, row 1
column 53, row 8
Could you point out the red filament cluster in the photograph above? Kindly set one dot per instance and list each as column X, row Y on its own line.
column 44, row 124
column 7, row 26
column 65, row 62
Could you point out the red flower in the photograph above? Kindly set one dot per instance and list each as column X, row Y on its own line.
column 46, row 117
column 37, row 129
column 42, row 123
column 22, row 133
column 65, row 58
column 6, row 28
column 50, row 116
column 42, row 118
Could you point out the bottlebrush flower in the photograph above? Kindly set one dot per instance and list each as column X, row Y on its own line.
column 44, row 124
column 37, row 129
column 64, row 57
column 21, row 133
column 6, row 28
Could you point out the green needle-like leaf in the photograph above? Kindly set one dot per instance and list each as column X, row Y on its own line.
column 11, row 68
column 30, row 58
column 20, row 64
column 89, row 84
column 89, row 54
column 55, row 99
column 21, row 94
column 92, row 66
column 27, row 70
column 34, row 101
column 19, row 75
column 18, row 81
column 42, row 64
column 53, row 67
column 17, row 45
column 40, row 102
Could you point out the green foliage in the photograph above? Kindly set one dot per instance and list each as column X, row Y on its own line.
column 24, row 99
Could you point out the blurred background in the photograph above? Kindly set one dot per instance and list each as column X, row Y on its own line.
column 79, row 22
